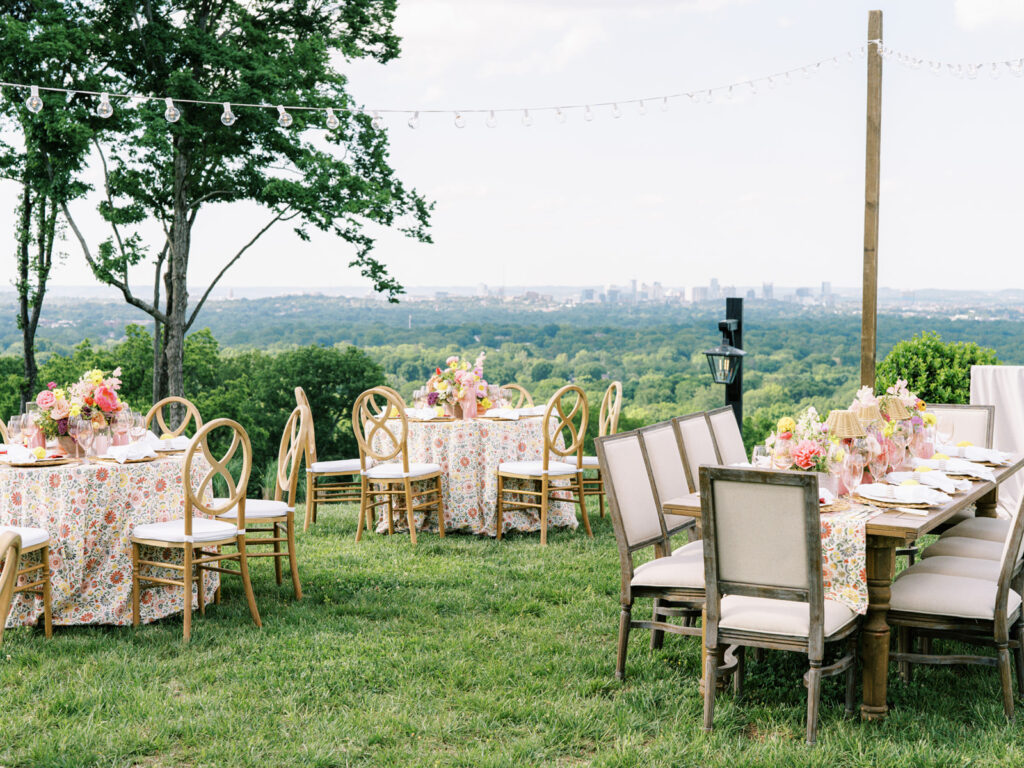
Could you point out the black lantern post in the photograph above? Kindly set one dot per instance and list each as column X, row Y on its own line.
column 726, row 360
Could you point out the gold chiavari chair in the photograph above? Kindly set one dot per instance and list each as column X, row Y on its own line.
column 10, row 551
column 523, row 398
column 191, row 414
column 558, row 464
column 34, row 577
column 327, row 482
column 4, row 437
column 384, row 481
column 607, row 424
column 200, row 537
column 277, row 513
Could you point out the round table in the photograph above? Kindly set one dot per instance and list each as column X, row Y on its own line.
column 90, row 511
column 469, row 452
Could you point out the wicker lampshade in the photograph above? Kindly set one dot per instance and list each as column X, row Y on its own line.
column 894, row 408
column 869, row 414
column 844, row 424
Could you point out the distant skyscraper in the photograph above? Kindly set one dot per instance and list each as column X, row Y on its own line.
column 826, row 289
column 767, row 291
column 715, row 292
column 700, row 293
column 751, row 295
column 632, row 286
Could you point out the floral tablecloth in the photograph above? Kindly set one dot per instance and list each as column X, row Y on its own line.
column 90, row 511
column 843, row 556
column 469, row 453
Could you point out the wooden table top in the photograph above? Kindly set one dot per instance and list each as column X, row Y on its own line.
column 894, row 524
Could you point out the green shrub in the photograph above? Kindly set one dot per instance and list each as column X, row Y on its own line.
column 939, row 372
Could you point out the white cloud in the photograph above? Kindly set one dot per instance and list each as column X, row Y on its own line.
column 972, row 14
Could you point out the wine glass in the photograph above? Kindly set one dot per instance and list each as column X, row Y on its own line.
column 878, row 465
column 899, row 456
column 782, row 456
column 120, row 424
column 74, row 429
column 14, row 426
column 761, row 457
column 852, row 472
column 944, row 432
column 84, row 437
column 137, row 430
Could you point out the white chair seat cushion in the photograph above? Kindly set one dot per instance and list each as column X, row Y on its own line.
column 590, row 462
column 947, row 565
column 30, row 537
column 780, row 617
column 203, row 529
column 988, row 528
column 536, row 468
column 343, row 465
column 693, row 546
column 676, row 523
column 255, row 508
column 685, row 568
column 937, row 594
column 394, row 470
column 963, row 546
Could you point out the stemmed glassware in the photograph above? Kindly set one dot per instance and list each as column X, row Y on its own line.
column 120, row 425
column 14, row 428
column 944, row 432
column 761, row 457
column 852, row 471
column 782, row 455
column 137, row 430
column 84, row 435
column 878, row 464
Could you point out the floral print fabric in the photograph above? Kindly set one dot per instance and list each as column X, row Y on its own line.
column 844, row 559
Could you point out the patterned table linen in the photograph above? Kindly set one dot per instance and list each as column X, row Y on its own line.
column 843, row 557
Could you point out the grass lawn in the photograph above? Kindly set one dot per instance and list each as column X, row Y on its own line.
column 462, row 652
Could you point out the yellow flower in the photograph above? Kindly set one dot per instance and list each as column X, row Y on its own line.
column 95, row 376
column 929, row 419
column 75, row 410
column 786, row 424
column 485, row 403
column 438, row 410
column 889, row 429
column 59, row 394
column 39, row 453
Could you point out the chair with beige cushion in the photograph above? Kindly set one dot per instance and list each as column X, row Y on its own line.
column 607, row 424
column 327, row 482
column 727, row 436
column 974, row 424
column 179, row 405
column 10, row 556
column 697, row 444
column 762, row 563
column 33, row 577
column 965, row 604
column 665, row 469
column 517, row 392
column 676, row 580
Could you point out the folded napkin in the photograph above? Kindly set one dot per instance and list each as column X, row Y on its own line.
column 826, row 497
column 974, row 453
column 957, row 467
column 933, row 479
column 503, row 413
column 132, row 451
column 902, row 494
column 19, row 454
column 536, row 410
column 423, row 414
column 180, row 443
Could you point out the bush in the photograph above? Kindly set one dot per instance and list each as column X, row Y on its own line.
column 939, row 372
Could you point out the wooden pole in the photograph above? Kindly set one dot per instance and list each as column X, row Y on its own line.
column 869, row 294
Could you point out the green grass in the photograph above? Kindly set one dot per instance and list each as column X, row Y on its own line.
column 462, row 652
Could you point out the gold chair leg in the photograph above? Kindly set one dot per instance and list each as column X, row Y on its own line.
column 309, row 501
column 136, row 618
column 201, row 576
column 47, row 596
column 277, row 556
column 188, row 593
column 391, row 510
column 498, row 511
column 363, row 498
column 410, row 516
column 292, row 560
column 544, row 511
column 600, row 492
column 441, row 522
column 243, row 567
column 582, row 501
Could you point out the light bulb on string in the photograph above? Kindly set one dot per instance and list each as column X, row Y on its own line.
column 105, row 109
column 283, row 118
column 332, row 120
column 588, row 115
column 227, row 116
column 71, row 95
column 728, row 94
column 771, row 82
column 972, row 71
column 753, row 88
column 935, row 67
column 708, row 96
column 694, row 98
column 492, row 120
column 805, row 72
column 835, row 62
column 414, row 121
column 171, row 114
column 527, row 120
column 460, row 121
column 377, row 122
column 994, row 71
column 616, row 112
column 664, row 104
column 559, row 115
column 33, row 103
column 641, row 108
column 1017, row 67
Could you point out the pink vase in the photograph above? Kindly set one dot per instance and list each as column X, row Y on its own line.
column 121, row 438
column 36, row 438
column 469, row 406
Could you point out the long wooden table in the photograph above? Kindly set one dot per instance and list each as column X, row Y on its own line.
column 885, row 533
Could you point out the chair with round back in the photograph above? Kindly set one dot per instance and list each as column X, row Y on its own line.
column 4, row 437
column 327, row 482
column 10, row 556
column 607, row 424
column 560, row 462
column 386, row 474
column 201, row 536
column 175, row 403
column 523, row 398
column 31, row 577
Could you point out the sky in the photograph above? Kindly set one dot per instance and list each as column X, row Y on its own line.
column 764, row 187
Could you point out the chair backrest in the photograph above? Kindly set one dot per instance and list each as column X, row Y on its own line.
column 3, row 433
column 10, row 554
column 196, row 497
column 762, row 538
column 970, row 422
column 1003, row 387
column 191, row 414
column 565, row 408
column 371, row 414
column 518, row 391
column 664, row 461
column 697, row 445
column 294, row 441
column 1010, row 562
column 611, row 407
column 301, row 399
column 727, row 436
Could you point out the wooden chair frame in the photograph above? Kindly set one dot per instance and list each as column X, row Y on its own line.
column 717, row 637
column 607, row 424
column 33, row 578
column 10, row 556
column 1004, row 632
column 4, row 437
column 323, row 487
column 690, row 526
column 714, row 435
column 543, row 491
column 668, row 601
column 524, row 394
column 370, row 416
column 692, row 481
column 203, row 556
column 266, row 531
column 191, row 414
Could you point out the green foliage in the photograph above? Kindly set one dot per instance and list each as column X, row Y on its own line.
column 939, row 372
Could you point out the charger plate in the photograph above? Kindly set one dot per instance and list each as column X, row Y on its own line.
column 112, row 460
column 40, row 462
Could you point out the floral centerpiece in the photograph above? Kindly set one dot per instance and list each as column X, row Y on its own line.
column 459, row 388
column 802, row 443
column 93, row 397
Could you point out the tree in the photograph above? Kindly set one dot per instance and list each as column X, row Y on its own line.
column 171, row 171
column 42, row 41
column 939, row 372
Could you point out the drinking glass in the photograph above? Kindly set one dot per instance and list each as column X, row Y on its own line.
column 120, row 424
column 782, row 457
column 878, row 466
column 74, row 426
column 761, row 458
column 101, row 440
column 944, row 431
column 85, row 437
column 137, row 430
column 899, row 457
column 14, row 428
column 852, row 472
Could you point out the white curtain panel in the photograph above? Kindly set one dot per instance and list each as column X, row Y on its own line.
column 1003, row 387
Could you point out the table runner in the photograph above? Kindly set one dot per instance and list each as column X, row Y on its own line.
column 843, row 556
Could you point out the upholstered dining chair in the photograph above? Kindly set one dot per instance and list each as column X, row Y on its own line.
column 697, row 444
column 676, row 581
column 558, row 469
column 200, row 536
column 762, row 566
column 33, row 577
column 727, row 437
column 523, row 398
column 271, row 522
column 663, row 465
column 959, row 599
column 10, row 556
column 191, row 414
column 327, row 482
column 386, row 474
column 607, row 424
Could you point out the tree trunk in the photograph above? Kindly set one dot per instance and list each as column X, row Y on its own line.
column 177, row 298
column 27, row 330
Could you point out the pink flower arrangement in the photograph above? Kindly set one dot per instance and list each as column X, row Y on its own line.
column 94, row 396
column 457, row 381
column 807, row 454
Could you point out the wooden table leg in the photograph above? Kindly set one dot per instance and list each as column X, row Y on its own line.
column 986, row 505
column 881, row 556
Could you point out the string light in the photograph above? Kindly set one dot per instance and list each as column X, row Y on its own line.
column 641, row 108
column 105, row 109
column 228, row 117
column 527, row 120
column 377, row 122
column 283, row 118
column 460, row 121
column 172, row 114
column 560, row 115
column 616, row 113
column 414, row 121
column 588, row 115
column 491, row 119
column 33, row 103
column 332, row 120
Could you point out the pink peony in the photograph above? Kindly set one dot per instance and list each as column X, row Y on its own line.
column 105, row 399
column 805, row 453
column 61, row 410
column 45, row 399
column 52, row 385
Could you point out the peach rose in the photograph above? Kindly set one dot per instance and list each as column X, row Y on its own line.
column 805, row 453
column 61, row 410
column 45, row 399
